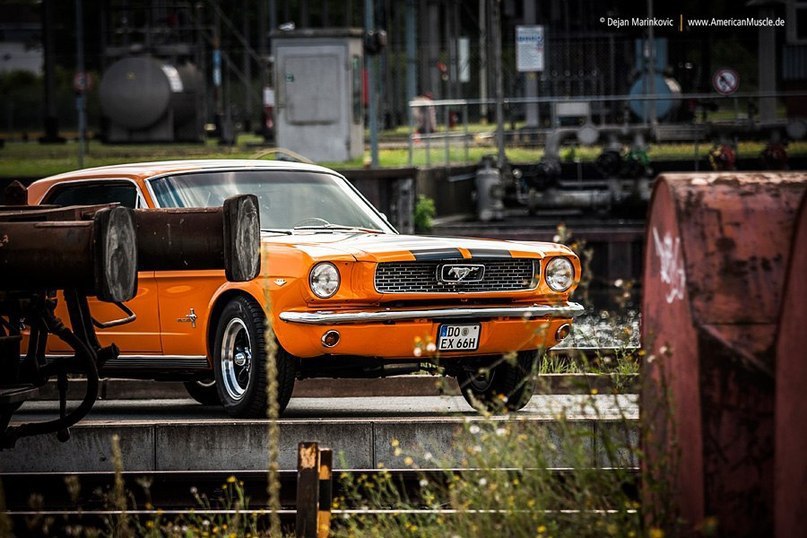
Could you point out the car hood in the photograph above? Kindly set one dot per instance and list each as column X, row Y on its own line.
column 371, row 247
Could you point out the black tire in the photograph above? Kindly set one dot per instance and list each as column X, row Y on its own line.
column 239, row 355
column 203, row 391
column 506, row 386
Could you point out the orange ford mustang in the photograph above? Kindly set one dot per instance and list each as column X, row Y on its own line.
column 347, row 295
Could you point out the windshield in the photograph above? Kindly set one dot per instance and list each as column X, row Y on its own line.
column 288, row 199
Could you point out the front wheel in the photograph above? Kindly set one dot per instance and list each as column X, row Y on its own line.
column 240, row 361
column 507, row 385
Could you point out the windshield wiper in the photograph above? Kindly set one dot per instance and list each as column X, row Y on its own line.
column 274, row 231
column 339, row 228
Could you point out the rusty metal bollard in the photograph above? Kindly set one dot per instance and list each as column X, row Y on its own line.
column 790, row 476
column 717, row 249
column 325, row 492
column 314, row 491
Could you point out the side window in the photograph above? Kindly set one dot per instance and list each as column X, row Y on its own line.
column 122, row 192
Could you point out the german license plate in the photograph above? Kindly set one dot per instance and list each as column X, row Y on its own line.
column 458, row 337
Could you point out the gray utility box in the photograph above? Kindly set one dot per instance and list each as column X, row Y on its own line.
column 318, row 83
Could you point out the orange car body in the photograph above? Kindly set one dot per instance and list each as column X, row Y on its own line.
column 177, row 311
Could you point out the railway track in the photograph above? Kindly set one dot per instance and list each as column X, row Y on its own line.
column 171, row 490
column 61, row 501
column 175, row 431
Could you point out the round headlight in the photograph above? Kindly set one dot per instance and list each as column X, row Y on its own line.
column 324, row 280
column 559, row 274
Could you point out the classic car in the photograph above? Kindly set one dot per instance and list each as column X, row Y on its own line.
column 346, row 295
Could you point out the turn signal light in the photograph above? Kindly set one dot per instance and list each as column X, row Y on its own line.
column 562, row 332
column 330, row 338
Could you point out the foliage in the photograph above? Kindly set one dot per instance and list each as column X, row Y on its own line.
column 424, row 213
column 509, row 484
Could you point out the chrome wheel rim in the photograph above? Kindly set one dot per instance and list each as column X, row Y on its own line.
column 236, row 359
column 205, row 383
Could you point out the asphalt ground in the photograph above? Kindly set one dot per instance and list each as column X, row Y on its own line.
column 545, row 407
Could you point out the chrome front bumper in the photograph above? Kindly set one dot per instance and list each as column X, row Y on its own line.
column 565, row 310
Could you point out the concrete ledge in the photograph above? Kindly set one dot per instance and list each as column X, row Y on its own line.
column 242, row 445
column 409, row 385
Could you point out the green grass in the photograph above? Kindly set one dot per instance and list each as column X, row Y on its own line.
column 33, row 160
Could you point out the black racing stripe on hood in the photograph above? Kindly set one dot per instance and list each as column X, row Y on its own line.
column 489, row 253
column 437, row 254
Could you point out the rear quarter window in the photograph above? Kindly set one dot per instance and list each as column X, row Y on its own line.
column 123, row 193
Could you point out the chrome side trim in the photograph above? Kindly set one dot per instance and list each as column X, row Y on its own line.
column 564, row 310
column 157, row 362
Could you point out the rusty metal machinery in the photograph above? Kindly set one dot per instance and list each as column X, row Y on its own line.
column 97, row 256
column 718, row 412
column 170, row 239
column 95, row 251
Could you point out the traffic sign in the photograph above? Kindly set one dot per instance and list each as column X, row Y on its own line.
column 725, row 81
column 82, row 81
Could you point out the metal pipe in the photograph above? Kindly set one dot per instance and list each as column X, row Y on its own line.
column 82, row 118
column 483, row 61
column 651, row 70
column 97, row 256
column 496, row 35
column 411, row 69
column 202, row 238
column 372, row 105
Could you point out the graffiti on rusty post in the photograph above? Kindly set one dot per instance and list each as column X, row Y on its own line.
column 672, row 265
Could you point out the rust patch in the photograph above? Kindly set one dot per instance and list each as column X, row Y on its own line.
column 308, row 456
column 725, row 243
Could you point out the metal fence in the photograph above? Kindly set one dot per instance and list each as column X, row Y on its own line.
column 442, row 132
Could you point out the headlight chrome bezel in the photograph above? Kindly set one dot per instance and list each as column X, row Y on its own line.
column 315, row 284
column 551, row 273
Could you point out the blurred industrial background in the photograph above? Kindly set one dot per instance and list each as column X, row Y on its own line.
column 173, row 70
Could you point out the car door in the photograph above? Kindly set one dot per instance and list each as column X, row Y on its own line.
column 141, row 336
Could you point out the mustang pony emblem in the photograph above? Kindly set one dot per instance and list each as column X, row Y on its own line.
column 460, row 273
column 190, row 318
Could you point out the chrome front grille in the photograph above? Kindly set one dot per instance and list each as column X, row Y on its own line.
column 512, row 274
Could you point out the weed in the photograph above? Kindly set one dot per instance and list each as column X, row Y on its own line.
column 424, row 213
column 272, row 412
column 518, row 478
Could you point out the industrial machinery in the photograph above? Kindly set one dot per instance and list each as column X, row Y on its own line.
column 145, row 99
column 489, row 191
column 623, row 168
column 94, row 251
